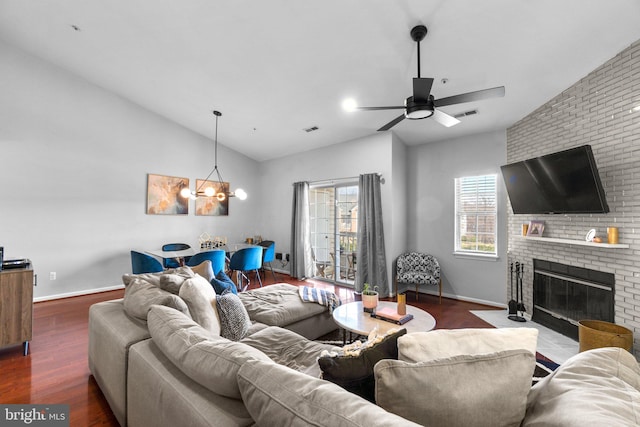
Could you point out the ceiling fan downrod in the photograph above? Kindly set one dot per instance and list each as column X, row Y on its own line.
column 418, row 33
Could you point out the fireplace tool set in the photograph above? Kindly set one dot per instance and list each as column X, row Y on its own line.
column 515, row 306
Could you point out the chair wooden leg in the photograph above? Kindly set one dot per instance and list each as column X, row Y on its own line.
column 440, row 284
column 416, row 292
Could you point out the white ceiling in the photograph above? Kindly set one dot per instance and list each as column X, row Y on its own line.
column 275, row 67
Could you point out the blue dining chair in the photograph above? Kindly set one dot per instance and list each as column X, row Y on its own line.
column 173, row 262
column 216, row 256
column 245, row 260
column 143, row 263
column 268, row 255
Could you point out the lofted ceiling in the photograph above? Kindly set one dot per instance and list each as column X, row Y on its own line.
column 276, row 67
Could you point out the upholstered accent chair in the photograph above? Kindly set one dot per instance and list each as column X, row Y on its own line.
column 143, row 263
column 417, row 269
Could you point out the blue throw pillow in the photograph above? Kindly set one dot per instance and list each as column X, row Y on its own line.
column 222, row 283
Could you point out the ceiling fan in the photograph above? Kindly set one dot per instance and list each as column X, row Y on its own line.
column 422, row 104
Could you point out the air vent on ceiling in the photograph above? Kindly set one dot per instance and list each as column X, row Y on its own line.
column 466, row 113
column 311, row 129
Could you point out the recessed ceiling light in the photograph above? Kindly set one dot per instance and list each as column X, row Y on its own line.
column 349, row 105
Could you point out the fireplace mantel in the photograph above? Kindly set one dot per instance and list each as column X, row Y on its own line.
column 576, row 242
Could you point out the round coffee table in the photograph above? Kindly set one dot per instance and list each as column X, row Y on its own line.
column 352, row 317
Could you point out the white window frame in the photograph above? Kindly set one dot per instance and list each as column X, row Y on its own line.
column 481, row 181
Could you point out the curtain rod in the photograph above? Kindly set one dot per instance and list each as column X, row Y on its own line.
column 336, row 180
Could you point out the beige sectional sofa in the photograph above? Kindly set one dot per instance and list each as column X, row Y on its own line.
column 168, row 370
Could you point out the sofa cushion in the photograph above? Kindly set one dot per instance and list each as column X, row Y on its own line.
column 289, row 349
column 222, row 283
column 277, row 395
column 355, row 373
column 479, row 390
column 279, row 305
column 599, row 387
column 140, row 295
column 442, row 343
column 200, row 297
column 234, row 319
column 209, row 360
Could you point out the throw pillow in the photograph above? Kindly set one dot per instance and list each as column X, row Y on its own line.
column 222, row 283
column 171, row 283
column 140, row 295
column 277, row 395
column 355, row 374
column 234, row 319
column 154, row 278
column 479, row 390
column 204, row 269
column 443, row 343
column 209, row 360
column 201, row 299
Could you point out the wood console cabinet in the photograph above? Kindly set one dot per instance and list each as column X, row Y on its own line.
column 16, row 307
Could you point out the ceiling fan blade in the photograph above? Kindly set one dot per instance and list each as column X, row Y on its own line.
column 444, row 119
column 421, row 89
column 392, row 123
column 470, row 96
column 402, row 107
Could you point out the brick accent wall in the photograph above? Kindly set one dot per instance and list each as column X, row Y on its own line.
column 597, row 110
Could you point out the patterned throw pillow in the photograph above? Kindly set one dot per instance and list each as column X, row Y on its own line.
column 234, row 319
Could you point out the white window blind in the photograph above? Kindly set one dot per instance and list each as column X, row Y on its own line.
column 476, row 215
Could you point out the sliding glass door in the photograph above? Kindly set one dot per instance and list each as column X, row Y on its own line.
column 333, row 214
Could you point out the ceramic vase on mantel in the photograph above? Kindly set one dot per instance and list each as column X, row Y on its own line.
column 370, row 301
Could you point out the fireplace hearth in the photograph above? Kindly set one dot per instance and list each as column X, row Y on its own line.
column 564, row 295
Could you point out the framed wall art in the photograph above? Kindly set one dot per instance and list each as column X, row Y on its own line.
column 536, row 228
column 163, row 195
column 211, row 206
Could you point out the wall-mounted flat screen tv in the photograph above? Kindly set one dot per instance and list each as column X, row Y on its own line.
column 562, row 183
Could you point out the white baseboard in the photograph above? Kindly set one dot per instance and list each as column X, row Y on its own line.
column 78, row 293
column 457, row 297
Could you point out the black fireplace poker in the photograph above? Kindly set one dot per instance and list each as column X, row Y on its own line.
column 519, row 294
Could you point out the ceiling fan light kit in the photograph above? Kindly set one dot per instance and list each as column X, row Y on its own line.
column 422, row 104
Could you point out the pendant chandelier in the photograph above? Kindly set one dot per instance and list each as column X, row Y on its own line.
column 205, row 189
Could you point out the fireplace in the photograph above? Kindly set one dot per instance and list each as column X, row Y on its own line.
column 564, row 295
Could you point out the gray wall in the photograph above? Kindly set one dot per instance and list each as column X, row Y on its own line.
column 597, row 110
column 74, row 167
column 432, row 169
column 374, row 154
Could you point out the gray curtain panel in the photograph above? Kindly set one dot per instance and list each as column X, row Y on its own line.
column 301, row 259
column 372, row 261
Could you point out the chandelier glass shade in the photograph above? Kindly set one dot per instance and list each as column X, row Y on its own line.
column 209, row 188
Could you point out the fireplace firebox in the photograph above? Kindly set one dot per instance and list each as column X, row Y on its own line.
column 564, row 295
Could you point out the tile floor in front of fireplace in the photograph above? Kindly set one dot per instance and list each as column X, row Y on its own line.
column 551, row 344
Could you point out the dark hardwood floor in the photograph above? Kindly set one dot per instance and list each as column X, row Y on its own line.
column 56, row 370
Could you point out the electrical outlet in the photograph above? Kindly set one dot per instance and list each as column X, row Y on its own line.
column 52, row 275
column 279, row 255
column 287, row 257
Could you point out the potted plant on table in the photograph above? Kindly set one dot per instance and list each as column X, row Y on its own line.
column 369, row 298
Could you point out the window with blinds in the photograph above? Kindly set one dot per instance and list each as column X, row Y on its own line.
column 476, row 215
